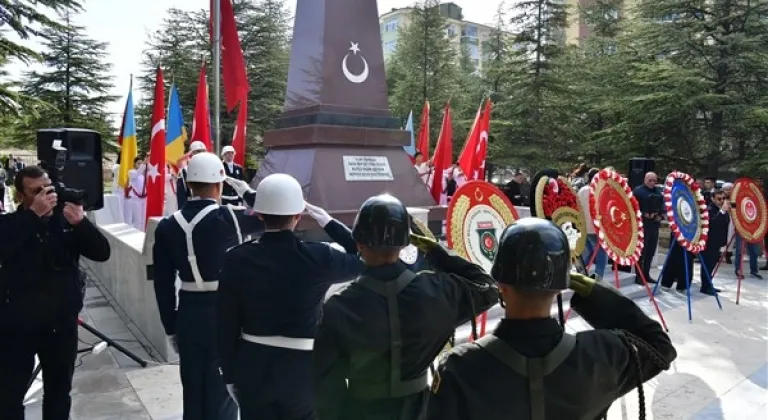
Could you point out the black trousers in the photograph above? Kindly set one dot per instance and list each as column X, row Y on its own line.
column 709, row 259
column 650, row 241
column 56, row 348
column 205, row 396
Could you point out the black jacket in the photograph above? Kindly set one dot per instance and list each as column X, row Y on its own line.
column 718, row 228
column 212, row 237
column 39, row 267
column 276, row 287
column 237, row 173
column 355, row 319
column 651, row 204
column 474, row 385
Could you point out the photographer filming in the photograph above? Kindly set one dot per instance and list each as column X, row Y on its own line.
column 41, row 292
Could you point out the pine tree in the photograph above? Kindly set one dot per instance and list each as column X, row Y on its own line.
column 183, row 42
column 697, row 90
column 534, row 96
column 424, row 66
column 76, row 82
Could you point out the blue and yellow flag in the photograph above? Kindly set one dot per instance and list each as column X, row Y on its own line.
column 129, row 148
column 175, row 133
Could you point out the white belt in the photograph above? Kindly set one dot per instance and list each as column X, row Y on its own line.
column 206, row 286
column 230, row 197
column 306, row 344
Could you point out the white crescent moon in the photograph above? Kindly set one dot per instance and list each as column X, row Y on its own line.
column 612, row 214
column 355, row 78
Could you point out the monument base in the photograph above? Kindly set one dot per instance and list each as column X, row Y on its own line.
column 340, row 178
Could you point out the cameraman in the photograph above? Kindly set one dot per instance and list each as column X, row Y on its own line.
column 41, row 292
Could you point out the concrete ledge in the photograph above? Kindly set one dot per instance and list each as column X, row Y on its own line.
column 124, row 276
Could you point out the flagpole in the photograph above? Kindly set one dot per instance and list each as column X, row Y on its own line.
column 216, row 54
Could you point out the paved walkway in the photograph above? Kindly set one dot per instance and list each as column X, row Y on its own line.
column 721, row 371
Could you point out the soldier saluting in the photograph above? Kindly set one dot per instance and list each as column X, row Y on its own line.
column 381, row 333
column 270, row 301
column 529, row 368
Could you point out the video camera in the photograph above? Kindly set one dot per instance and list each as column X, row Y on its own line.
column 56, row 174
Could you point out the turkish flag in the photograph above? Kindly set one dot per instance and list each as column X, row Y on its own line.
column 481, row 151
column 155, row 177
column 238, row 137
column 201, row 122
column 472, row 158
column 233, row 71
column 443, row 155
column 422, row 143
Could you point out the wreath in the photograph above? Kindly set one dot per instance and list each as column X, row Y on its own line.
column 694, row 242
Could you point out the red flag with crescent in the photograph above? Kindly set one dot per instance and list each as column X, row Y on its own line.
column 155, row 178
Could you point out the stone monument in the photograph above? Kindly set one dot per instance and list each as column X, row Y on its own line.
column 336, row 135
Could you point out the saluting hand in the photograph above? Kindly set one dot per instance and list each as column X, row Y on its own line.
column 319, row 214
column 44, row 201
column 73, row 213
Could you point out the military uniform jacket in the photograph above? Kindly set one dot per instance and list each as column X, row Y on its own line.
column 275, row 287
column 473, row 384
column 228, row 193
column 212, row 237
column 355, row 321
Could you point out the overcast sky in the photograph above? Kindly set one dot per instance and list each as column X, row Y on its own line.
column 124, row 24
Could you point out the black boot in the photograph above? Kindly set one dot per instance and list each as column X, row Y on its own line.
column 728, row 256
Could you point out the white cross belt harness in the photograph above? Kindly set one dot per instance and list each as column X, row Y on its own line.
column 188, row 228
column 305, row 344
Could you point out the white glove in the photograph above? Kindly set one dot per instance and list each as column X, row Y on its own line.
column 174, row 342
column 319, row 214
column 241, row 187
column 231, row 390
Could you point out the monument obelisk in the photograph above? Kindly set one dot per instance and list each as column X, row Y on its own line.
column 336, row 135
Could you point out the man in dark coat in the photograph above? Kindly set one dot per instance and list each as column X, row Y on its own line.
column 719, row 219
column 529, row 368
column 652, row 207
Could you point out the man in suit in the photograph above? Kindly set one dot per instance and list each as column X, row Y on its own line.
column 233, row 170
column 719, row 220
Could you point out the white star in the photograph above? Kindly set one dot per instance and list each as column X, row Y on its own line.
column 153, row 172
column 354, row 48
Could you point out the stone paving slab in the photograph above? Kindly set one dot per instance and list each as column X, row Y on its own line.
column 721, row 371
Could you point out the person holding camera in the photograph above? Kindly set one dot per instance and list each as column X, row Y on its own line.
column 530, row 368
column 41, row 292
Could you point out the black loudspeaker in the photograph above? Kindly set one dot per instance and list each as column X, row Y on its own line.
column 638, row 167
column 83, row 166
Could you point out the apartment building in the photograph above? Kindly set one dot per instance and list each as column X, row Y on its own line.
column 577, row 29
column 459, row 31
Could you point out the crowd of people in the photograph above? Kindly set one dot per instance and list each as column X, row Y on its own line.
column 132, row 197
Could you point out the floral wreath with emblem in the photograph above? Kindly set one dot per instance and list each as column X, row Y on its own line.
column 611, row 179
column 552, row 199
column 700, row 241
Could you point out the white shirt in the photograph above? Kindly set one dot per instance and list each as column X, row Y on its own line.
column 423, row 170
column 136, row 182
column 583, row 195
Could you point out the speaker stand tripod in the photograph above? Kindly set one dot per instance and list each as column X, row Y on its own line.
column 95, row 349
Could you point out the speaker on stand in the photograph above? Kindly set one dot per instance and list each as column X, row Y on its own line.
column 638, row 167
column 83, row 166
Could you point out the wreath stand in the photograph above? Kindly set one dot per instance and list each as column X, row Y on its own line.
column 688, row 218
column 610, row 181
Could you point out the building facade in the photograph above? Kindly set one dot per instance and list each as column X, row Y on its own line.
column 577, row 29
column 459, row 31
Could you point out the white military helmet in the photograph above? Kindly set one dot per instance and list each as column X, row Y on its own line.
column 197, row 145
column 227, row 149
column 205, row 168
column 280, row 195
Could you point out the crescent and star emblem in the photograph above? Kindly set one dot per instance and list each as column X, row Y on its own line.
column 612, row 213
column 355, row 78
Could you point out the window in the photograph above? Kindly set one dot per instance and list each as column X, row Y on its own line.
column 391, row 25
column 474, row 51
column 451, row 31
column 390, row 46
column 470, row 31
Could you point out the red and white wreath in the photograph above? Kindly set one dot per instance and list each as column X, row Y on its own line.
column 622, row 243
